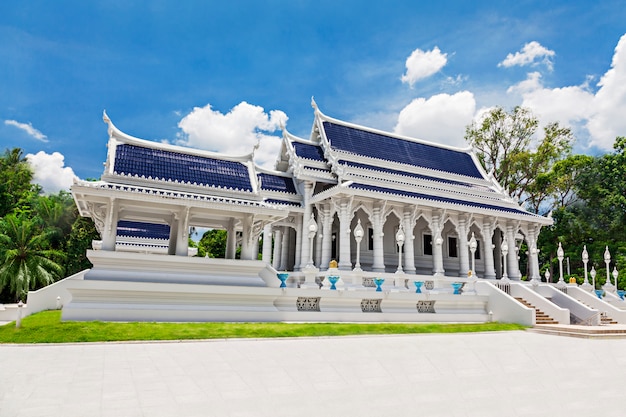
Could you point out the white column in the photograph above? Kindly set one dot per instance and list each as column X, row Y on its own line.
column 231, row 240
column 533, row 254
column 487, row 233
column 284, row 250
column 318, row 250
column 437, row 246
column 512, row 261
column 464, row 261
column 171, row 249
column 278, row 234
column 248, row 243
column 377, row 220
column 109, row 232
column 182, row 237
column 304, row 239
column 345, row 218
column 267, row 244
column 298, row 250
column 408, row 224
column 326, row 216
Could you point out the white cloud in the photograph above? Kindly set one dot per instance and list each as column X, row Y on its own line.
column 609, row 103
column 530, row 53
column 442, row 118
column 421, row 64
column 599, row 116
column 234, row 133
column 51, row 172
column 28, row 128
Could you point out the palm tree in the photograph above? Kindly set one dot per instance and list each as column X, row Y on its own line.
column 25, row 263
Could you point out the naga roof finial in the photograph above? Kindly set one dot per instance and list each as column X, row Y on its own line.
column 313, row 103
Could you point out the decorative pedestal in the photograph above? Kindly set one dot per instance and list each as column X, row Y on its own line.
column 379, row 282
column 310, row 273
column 599, row 293
column 456, row 286
column 283, row 276
column 418, row 286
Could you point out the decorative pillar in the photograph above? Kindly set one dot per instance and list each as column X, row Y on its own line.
column 278, row 241
column 533, row 255
column 345, row 218
column 171, row 248
column 182, row 237
column 463, row 248
column 304, row 238
column 231, row 240
column 298, row 255
column 284, row 249
column 512, row 261
column 325, row 213
column 248, row 238
column 109, row 232
column 378, row 221
column 487, row 232
column 409, row 219
column 266, row 255
column 318, row 250
column 437, row 225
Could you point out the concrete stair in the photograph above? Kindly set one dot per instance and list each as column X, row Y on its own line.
column 540, row 316
column 587, row 332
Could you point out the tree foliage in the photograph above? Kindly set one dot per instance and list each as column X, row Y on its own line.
column 26, row 261
column 506, row 147
column 42, row 237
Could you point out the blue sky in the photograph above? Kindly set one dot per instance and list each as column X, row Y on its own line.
column 222, row 75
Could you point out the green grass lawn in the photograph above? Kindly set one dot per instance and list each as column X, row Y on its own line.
column 47, row 327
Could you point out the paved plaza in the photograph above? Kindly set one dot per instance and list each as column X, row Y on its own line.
column 488, row 374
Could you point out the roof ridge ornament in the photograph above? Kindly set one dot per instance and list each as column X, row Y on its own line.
column 313, row 103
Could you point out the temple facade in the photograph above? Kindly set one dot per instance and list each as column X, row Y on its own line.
column 371, row 200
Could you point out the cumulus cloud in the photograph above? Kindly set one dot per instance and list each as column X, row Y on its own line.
column 532, row 53
column 609, row 104
column 441, row 118
column 50, row 171
column 597, row 115
column 421, row 64
column 236, row 132
column 28, row 128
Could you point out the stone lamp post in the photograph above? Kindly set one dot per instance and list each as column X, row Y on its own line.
column 473, row 245
column 615, row 275
column 607, row 260
column 400, row 236
column 312, row 228
column 593, row 277
column 585, row 256
column 504, row 248
column 560, row 254
column 547, row 275
column 358, row 236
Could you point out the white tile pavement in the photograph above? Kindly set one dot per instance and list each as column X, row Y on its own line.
column 487, row 374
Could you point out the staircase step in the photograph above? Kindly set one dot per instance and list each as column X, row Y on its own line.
column 540, row 316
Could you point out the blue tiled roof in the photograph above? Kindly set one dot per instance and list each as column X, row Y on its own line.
column 375, row 145
column 143, row 230
column 277, row 183
column 437, row 198
column 168, row 165
column 410, row 174
column 313, row 152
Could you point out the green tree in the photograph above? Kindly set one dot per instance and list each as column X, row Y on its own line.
column 78, row 241
column 505, row 147
column 15, row 181
column 25, row 263
column 213, row 244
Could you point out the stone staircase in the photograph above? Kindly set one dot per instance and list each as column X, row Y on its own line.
column 540, row 316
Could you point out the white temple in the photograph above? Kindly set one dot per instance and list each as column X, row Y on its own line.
column 418, row 215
